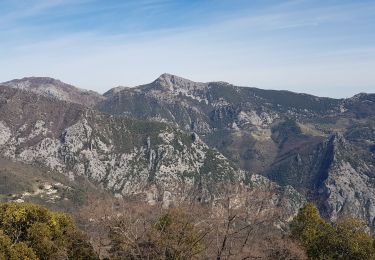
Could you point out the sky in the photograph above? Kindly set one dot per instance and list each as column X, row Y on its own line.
column 321, row 47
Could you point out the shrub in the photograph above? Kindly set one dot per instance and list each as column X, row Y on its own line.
column 29, row 231
column 347, row 239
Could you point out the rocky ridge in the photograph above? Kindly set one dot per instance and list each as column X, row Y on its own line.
column 140, row 160
column 175, row 138
column 50, row 87
column 288, row 137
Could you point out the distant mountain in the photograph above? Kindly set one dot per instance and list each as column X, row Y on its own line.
column 176, row 139
column 288, row 137
column 50, row 87
column 138, row 159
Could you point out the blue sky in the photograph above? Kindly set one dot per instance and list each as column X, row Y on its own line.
column 326, row 48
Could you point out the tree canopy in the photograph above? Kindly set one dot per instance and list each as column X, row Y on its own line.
column 346, row 239
column 31, row 232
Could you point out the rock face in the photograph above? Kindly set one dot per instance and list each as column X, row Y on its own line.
column 288, row 137
column 349, row 187
column 175, row 139
column 235, row 120
column 142, row 160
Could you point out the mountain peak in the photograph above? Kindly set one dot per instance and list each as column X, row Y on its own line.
column 55, row 88
column 172, row 82
column 41, row 80
column 168, row 79
column 166, row 76
column 28, row 83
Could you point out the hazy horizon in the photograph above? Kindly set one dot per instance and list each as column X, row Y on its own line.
column 133, row 86
column 324, row 48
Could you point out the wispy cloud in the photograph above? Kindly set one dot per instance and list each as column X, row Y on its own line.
column 295, row 44
column 23, row 10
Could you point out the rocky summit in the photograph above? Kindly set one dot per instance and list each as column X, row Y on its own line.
column 176, row 140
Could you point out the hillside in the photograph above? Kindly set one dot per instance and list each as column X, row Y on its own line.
column 294, row 139
column 175, row 139
column 137, row 159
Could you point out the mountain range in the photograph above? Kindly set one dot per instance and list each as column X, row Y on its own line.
column 176, row 140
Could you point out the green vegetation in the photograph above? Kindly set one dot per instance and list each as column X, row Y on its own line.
column 228, row 92
column 286, row 130
column 346, row 239
column 215, row 169
column 358, row 132
column 129, row 133
column 292, row 100
column 31, row 232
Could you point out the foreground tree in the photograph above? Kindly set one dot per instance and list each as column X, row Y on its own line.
column 195, row 231
column 347, row 239
column 11, row 251
column 29, row 231
column 172, row 235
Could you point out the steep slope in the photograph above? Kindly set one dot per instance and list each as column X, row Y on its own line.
column 236, row 120
column 349, row 187
column 50, row 87
column 218, row 104
column 289, row 137
column 335, row 174
column 20, row 182
column 140, row 160
column 176, row 139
